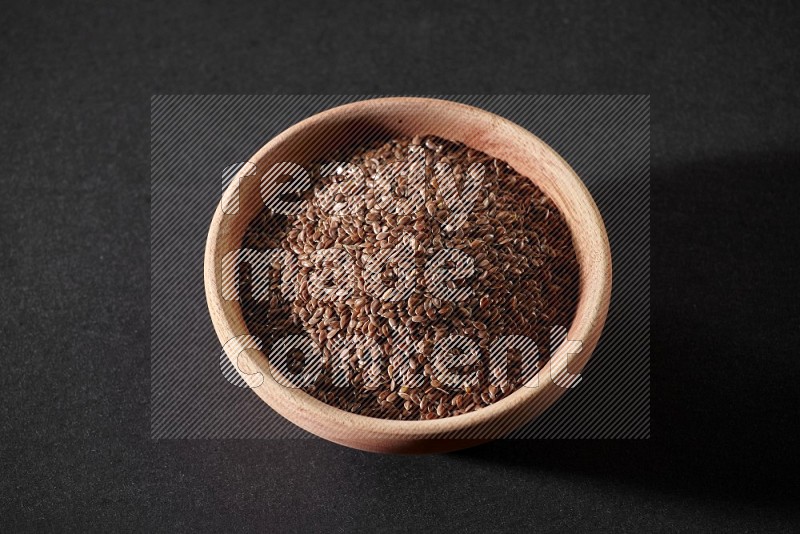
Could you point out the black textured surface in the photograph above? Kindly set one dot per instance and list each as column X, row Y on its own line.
column 74, row 423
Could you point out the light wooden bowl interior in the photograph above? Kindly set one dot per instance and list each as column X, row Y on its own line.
column 317, row 137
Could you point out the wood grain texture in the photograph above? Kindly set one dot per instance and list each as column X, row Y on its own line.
column 319, row 135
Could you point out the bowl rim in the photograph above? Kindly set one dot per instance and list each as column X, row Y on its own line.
column 300, row 407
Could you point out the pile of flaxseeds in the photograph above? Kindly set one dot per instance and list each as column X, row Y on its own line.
column 400, row 249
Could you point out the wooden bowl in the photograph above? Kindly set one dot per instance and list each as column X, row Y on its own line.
column 317, row 137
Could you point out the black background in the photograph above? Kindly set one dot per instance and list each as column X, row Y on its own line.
column 76, row 85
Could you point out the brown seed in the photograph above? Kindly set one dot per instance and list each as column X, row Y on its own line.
column 520, row 249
